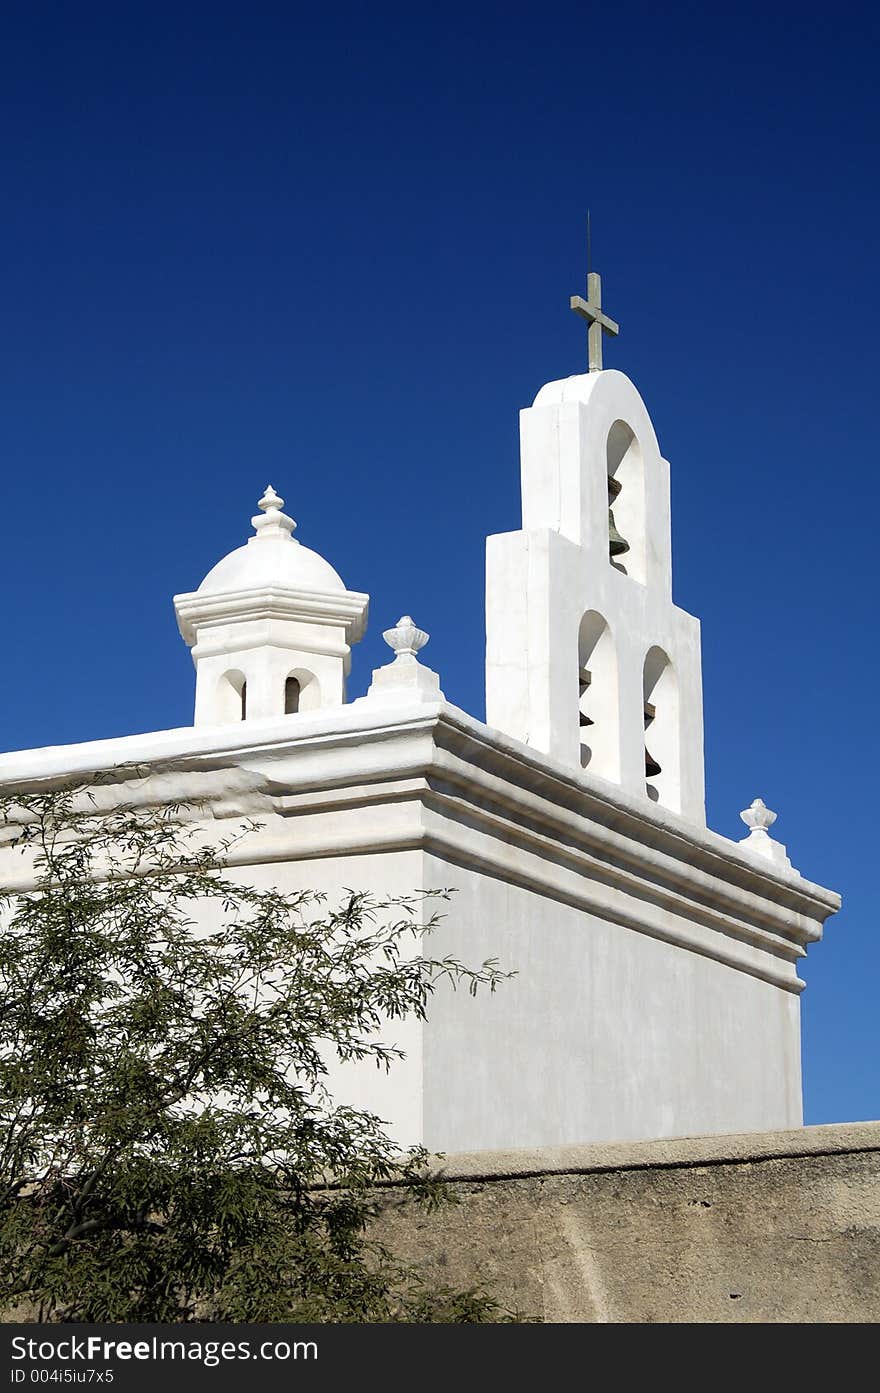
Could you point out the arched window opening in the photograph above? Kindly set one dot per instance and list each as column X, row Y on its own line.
column 662, row 738
column 292, row 691
column 231, row 697
column 626, row 502
column 302, row 692
column 597, row 698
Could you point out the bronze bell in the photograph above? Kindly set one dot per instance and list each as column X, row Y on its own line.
column 617, row 545
column 651, row 766
column 586, row 678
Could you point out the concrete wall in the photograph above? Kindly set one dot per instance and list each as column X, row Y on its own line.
column 771, row 1226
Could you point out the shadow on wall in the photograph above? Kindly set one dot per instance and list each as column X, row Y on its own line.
column 626, row 491
column 662, row 739
column 598, row 698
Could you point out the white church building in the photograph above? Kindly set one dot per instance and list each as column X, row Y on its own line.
column 656, row 991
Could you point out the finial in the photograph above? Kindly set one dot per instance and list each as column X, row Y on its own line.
column 758, row 818
column 270, row 521
column 405, row 679
column 405, row 639
column 270, row 499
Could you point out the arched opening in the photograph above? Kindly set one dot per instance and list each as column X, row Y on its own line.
column 302, row 692
column 597, row 698
column 662, row 734
column 291, row 696
column 626, row 502
column 232, row 697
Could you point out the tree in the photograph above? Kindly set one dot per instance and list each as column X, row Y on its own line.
column 170, row 1150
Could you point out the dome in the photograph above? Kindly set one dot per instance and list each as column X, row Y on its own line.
column 272, row 557
column 282, row 561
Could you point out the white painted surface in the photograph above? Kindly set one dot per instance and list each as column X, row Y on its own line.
column 541, row 582
column 604, row 1033
column 657, row 987
column 270, row 626
column 406, row 679
column 759, row 819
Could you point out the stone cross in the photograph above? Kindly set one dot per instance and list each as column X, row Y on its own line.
column 591, row 310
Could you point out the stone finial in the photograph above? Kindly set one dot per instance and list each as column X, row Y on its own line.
column 270, row 521
column 270, row 499
column 405, row 639
column 405, row 680
column 758, row 818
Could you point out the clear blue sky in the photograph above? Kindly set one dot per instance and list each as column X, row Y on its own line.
column 340, row 259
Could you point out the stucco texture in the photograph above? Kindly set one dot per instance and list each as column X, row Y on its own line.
column 769, row 1227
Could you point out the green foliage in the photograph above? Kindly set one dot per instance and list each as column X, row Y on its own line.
column 170, row 1150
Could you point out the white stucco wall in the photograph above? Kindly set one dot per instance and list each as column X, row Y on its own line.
column 656, row 990
column 396, row 1096
column 604, row 1033
column 544, row 579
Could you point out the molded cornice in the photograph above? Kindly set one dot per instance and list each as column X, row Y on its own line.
column 432, row 778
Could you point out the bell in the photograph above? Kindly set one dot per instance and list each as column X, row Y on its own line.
column 585, row 678
column 617, row 545
column 652, row 768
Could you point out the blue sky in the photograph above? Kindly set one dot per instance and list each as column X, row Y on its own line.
column 337, row 255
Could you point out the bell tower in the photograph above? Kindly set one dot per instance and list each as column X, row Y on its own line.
column 588, row 660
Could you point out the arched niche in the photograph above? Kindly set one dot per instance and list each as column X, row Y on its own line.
column 662, row 730
column 302, row 692
column 232, row 697
column 626, row 468
column 597, row 698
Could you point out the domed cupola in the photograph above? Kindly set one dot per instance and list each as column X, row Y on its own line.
column 270, row 627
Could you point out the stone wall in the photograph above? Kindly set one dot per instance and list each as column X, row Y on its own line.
column 767, row 1226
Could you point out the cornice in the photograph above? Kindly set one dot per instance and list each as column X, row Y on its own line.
column 196, row 611
column 467, row 793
